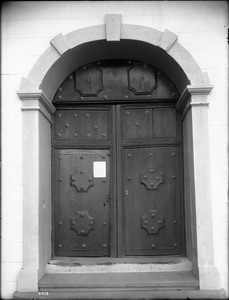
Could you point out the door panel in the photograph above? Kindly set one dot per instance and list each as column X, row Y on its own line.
column 152, row 201
column 81, row 124
column 137, row 123
column 82, row 185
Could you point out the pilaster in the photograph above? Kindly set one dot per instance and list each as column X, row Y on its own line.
column 194, row 105
column 37, row 112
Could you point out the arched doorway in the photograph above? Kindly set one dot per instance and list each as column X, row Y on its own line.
column 117, row 152
column 84, row 46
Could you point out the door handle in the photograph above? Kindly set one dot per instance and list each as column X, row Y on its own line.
column 108, row 197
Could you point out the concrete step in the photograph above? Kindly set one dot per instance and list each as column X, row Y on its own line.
column 168, row 294
column 118, row 281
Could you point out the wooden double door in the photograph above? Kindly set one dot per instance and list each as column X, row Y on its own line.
column 117, row 181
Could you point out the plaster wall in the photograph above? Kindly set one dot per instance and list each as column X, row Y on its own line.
column 28, row 27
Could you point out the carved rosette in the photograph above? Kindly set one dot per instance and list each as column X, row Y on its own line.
column 152, row 222
column 151, row 178
column 82, row 223
column 81, row 180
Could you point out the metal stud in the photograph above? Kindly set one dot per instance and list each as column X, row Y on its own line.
column 159, row 222
column 152, row 184
column 82, row 231
column 70, row 77
column 147, row 112
column 153, row 245
column 59, row 245
column 104, row 245
column 129, row 178
column 60, row 89
column 60, row 223
column 67, row 125
column 60, row 157
column 95, row 127
column 127, row 113
column 173, row 154
column 91, row 223
column 87, row 115
column 81, row 98
column 145, row 177
column 129, row 155
column 151, row 171
column 103, row 156
column 174, row 94
column 88, row 79
column 137, row 124
column 126, row 97
column 149, row 96
column 104, row 180
column 75, row 115
column 59, row 115
column 81, row 172
column 146, row 222
column 157, row 178
column 59, row 134
column 151, row 154
column 82, row 215
column 174, row 177
column 103, row 135
column 84, row 246
column 175, row 244
column 60, row 179
column 88, row 135
column 89, row 179
column 142, row 78
column 152, row 228
column 153, row 215
column 105, row 97
column 104, row 224
column 75, row 134
column 115, row 73
column 175, row 222
column 84, row 67
column 59, row 97
column 73, row 222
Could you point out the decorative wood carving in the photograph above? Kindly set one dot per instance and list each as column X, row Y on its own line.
column 151, row 178
column 88, row 81
column 81, row 180
column 142, row 79
column 152, row 222
column 116, row 80
column 82, row 223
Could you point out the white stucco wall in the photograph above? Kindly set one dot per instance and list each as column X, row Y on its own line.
column 27, row 28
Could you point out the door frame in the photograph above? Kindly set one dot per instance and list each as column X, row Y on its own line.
column 36, row 93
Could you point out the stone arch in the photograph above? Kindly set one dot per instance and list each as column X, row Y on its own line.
column 91, row 44
column 100, row 42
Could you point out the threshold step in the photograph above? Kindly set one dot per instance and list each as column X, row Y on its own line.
column 118, row 281
column 170, row 294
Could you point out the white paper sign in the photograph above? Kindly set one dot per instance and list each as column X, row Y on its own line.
column 99, row 169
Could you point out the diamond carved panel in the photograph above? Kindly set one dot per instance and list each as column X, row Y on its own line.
column 152, row 222
column 88, row 81
column 151, row 178
column 142, row 80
